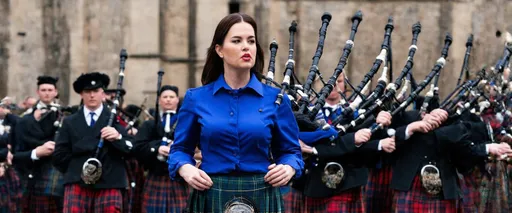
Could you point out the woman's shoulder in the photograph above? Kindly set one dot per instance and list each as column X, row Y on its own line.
column 270, row 90
column 198, row 91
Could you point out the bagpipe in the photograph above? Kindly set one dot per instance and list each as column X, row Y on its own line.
column 487, row 90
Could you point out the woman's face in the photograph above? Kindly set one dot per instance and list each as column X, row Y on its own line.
column 239, row 48
column 168, row 100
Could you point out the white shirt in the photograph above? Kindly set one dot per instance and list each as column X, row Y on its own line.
column 97, row 113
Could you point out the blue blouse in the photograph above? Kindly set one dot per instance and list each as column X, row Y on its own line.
column 235, row 129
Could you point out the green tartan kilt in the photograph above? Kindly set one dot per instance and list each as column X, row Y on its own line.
column 225, row 189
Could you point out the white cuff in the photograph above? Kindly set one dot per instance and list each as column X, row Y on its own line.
column 120, row 137
column 33, row 155
column 359, row 145
column 407, row 136
column 379, row 147
column 487, row 149
column 314, row 151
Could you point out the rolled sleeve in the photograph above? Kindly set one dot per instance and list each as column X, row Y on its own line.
column 285, row 143
column 186, row 137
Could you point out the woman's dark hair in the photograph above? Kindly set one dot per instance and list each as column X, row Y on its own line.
column 214, row 66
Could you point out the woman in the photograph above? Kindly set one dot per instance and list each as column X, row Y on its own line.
column 248, row 143
column 161, row 194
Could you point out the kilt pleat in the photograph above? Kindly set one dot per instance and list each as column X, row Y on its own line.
column 247, row 187
column 293, row 201
column 132, row 197
column 471, row 195
column 494, row 188
column 43, row 204
column 10, row 192
column 162, row 195
column 378, row 194
column 417, row 200
column 79, row 199
column 350, row 201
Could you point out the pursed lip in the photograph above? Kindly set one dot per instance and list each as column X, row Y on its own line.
column 247, row 55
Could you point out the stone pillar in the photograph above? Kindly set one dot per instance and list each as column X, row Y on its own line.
column 5, row 38
column 26, row 48
column 143, row 45
column 56, row 45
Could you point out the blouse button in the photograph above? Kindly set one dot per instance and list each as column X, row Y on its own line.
column 231, row 113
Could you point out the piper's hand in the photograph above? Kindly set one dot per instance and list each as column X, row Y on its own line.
column 362, row 136
column 499, row 149
column 279, row 175
column 109, row 133
column 388, row 144
column 9, row 158
column 2, row 170
column 37, row 114
column 305, row 148
column 440, row 114
column 46, row 149
column 197, row 155
column 195, row 177
column 434, row 122
column 164, row 150
column 133, row 131
column 384, row 118
column 419, row 126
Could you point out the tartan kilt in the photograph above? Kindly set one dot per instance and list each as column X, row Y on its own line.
column 378, row 194
column 494, row 188
column 417, row 200
column 293, row 200
column 350, row 200
column 132, row 197
column 227, row 188
column 81, row 199
column 471, row 195
column 41, row 203
column 48, row 184
column 10, row 192
column 161, row 194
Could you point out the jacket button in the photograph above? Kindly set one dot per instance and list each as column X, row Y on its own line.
column 426, row 157
column 152, row 149
column 333, row 144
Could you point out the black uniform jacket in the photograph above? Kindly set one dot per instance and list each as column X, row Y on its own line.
column 435, row 147
column 147, row 142
column 342, row 150
column 30, row 134
column 77, row 142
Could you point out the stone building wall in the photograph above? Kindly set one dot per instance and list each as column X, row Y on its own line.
column 66, row 38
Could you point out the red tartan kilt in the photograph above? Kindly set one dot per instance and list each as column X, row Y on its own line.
column 471, row 199
column 293, row 201
column 81, row 199
column 378, row 193
column 10, row 192
column 161, row 194
column 42, row 203
column 348, row 201
column 417, row 200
